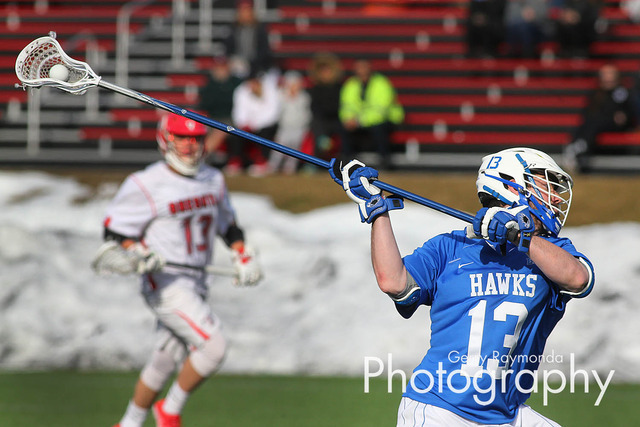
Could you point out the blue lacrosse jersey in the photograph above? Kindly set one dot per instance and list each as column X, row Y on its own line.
column 491, row 315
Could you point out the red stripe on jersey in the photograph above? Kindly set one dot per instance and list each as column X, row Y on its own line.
column 153, row 284
column 146, row 194
column 107, row 221
column 193, row 325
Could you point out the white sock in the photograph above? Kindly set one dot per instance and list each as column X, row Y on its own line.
column 175, row 400
column 134, row 416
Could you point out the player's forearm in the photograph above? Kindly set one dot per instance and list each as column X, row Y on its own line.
column 385, row 257
column 558, row 265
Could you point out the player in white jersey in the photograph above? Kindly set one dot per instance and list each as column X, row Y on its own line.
column 164, row 216
column 496, row 290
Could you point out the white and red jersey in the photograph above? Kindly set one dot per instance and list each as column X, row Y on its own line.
column 176, row 216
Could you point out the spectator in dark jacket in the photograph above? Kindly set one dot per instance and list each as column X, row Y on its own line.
column 609, row 108
column 216, row 99
column 248, row 40
column 527, row 24
column 485, row 27
column 575, row 25
column 325, row 75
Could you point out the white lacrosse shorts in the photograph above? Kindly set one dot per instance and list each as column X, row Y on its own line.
column 185, row 313
column 412, row 413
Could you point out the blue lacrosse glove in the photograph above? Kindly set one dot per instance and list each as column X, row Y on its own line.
column 502, row 225
column 356, row 180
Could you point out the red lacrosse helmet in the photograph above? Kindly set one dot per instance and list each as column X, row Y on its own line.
column 181, row 141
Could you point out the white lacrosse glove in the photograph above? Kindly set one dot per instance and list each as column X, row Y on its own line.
column 357, row 181
column 248, row 270
column 145, row 259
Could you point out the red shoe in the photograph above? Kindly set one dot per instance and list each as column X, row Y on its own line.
column 162, row 418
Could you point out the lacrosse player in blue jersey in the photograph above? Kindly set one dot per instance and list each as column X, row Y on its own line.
column 496, row 289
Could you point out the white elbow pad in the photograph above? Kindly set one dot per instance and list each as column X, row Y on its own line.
column 410, row 295
column 588, row 287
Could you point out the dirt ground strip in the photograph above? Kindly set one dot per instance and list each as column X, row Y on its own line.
column 597, row 198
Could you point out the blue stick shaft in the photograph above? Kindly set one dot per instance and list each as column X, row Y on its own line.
column 281, row 148
column 464, row 216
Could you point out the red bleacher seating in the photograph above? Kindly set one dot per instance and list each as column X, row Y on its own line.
column 118, row 133
column 458, row 139
column 619, row 139
column 435, row 79
column 521, row 102
column 420, row 46
column 144, row 114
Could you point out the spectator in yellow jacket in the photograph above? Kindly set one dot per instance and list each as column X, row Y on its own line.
column 369, row 109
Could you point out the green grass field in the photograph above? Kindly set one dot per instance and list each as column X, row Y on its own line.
column 73, row 399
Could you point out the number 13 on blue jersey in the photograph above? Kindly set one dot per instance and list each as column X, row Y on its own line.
column 479, row 323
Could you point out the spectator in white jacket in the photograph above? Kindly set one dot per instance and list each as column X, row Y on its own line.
column 256, row 109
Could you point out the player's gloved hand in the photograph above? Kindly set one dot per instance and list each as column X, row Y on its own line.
column 335, row 171
column 501, row 225
column 247, row 267
column 147, row 261
column 357, row 181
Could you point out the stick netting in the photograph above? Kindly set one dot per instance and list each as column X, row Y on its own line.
column 35, row 61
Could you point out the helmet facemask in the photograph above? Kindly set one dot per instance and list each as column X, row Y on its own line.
column 548, row 197
column 181, row 141
column 185, row 153
column 553, row 191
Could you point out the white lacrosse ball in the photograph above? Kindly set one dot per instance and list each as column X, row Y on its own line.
column 59, row 72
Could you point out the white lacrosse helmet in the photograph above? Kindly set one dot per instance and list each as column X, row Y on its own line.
column 181, row 142
column 538, row 181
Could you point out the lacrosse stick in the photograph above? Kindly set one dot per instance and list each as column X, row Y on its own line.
column 34, row 64
column 113, row 258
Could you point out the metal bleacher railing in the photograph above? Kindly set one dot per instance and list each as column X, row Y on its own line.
column 91, row 97
column 40, row 145
column 123, row 39
column 452, row 107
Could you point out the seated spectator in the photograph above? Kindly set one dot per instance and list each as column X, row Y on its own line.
column 527, row 25
column 325, row 74
column 575, row 26
column 256, row 109
column 293, row 124
column 369, row 108
column 248, row 40
column 609, row 108
column 216, row 99
column 485, row 27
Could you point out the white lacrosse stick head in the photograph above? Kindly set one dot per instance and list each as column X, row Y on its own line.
column 35, row 61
